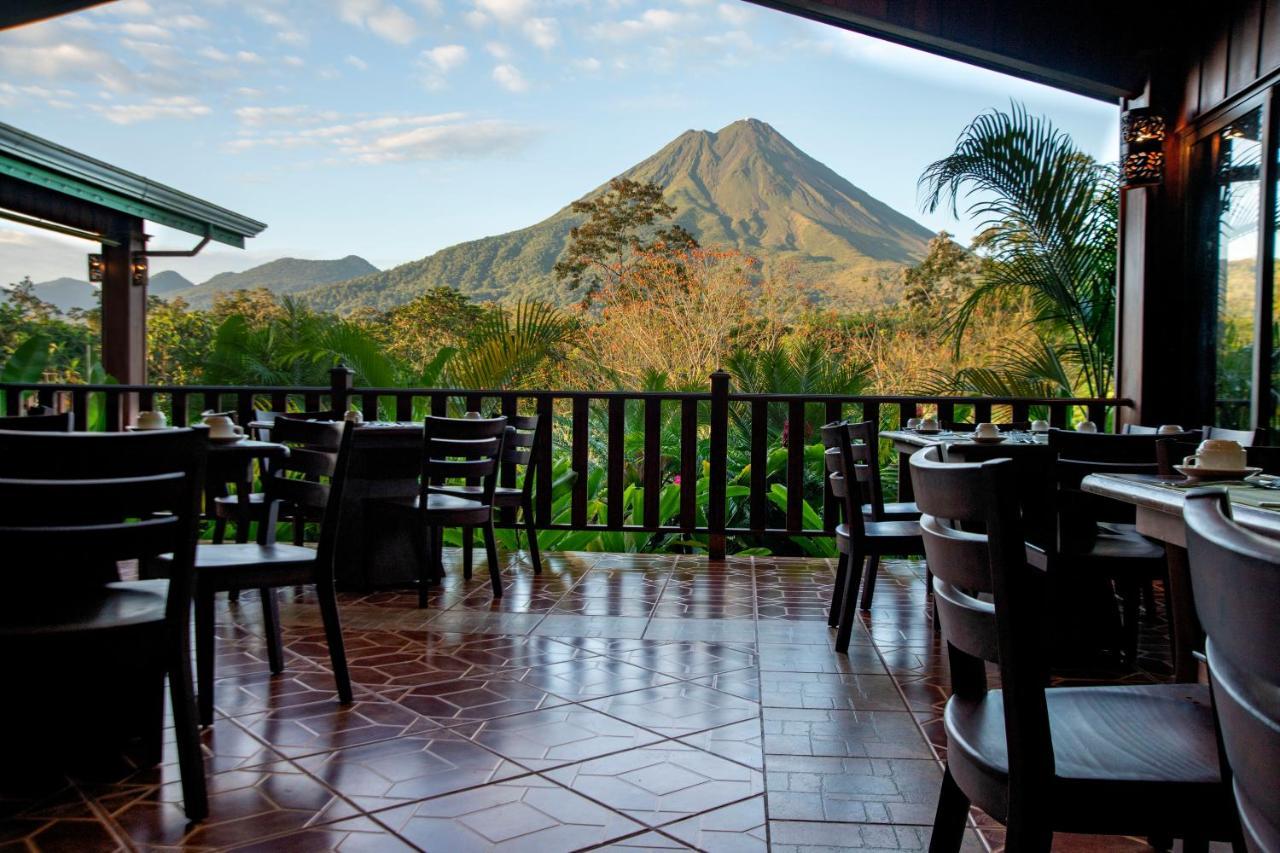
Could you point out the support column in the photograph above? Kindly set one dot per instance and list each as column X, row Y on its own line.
column 124, row 312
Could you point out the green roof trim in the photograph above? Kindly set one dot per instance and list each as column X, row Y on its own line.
column 42, row 163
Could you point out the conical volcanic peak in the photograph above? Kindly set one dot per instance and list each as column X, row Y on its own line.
column 745, row 186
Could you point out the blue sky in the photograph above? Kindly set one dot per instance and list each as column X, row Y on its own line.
column 392, row 129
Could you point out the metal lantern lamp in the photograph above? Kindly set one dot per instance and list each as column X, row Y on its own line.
column 1142, row 135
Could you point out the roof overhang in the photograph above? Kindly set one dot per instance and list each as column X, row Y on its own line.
column 14, row 13
column 60, row 170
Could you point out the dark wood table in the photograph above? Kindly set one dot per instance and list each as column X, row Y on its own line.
column 1159, row 516
column 907, row 442
column 232, row 462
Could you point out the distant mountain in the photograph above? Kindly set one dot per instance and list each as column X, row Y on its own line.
column 67, row 293
column 745, row 186
column 168, row 283
column 286, row 275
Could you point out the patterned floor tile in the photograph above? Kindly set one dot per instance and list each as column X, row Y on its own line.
column 684, row 659
column 356, row 835
column 833, row 691
column 591, row 678
column 856, row 790
column 394, row 772
column 811, row 657
column 543, row 739
column 529, row 814
column 740, row 682
column 677, row 709
column 472, row 699
column 325, row 726
column 712, row 630
column 811, row 837
column 740, row 742
column 566, row 625
column 737, row 828
column 662, row 783
column 853, row 734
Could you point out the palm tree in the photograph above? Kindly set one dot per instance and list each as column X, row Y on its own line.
column 1049, row 214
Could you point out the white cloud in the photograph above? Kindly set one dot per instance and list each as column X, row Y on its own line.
column 476, row 19
column 178, row 107
column 293, row 61
column 269, row 17
column 506, row 11
column 292, row 37
column 62, row 61
column 431, row 7
column 509, row 77
column 128, row 8
column 498, row 50
column 446, row 57
column 736, row 12
column 649, row 22
column 543, row 32
column 213, row 53
column 145, row 31
column 184, row 22
column 356, row 62
column 259, row 116
column 385, row 20
column 464, row 141
column 589, row 64
column 248, row 57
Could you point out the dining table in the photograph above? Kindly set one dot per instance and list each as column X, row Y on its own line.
column 1158, row 501
column 232, row 462
column 908, row 441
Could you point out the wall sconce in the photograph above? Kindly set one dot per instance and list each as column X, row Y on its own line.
column 1142, row 133
column 138, row 270
column 97, row 269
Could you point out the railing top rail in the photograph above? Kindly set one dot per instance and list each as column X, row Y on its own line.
column 890, row 399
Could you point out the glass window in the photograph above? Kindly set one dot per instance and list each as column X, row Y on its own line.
column 1237, row 192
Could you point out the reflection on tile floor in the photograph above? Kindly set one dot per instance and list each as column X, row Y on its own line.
column 614, row 702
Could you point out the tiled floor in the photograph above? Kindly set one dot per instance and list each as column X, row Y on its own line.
column 614, row 702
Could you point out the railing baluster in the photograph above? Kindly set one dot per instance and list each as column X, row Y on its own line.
column 905, row 492
column 759, row 465
column 718, row 452
column 475, row 403
column 544, row 479
column 369, row 406
column 178, row 408
column 279, row 401
column 652, row 460
column 1019, row 411
column 1098, row 414
column 581, row 412
column 209, row 401
column 688, row 464
column 946, row 411
column 906, row 411
column 80, row 409
column 795, row 465
column 111, row 409
column 615, row 456
column 244, row 404
column 981, row 413
column 146, row 400
column 404, row 407
column 12, row 401
column 439, row 405
column 311, row 402
column 1059, row 414
column 510, row 408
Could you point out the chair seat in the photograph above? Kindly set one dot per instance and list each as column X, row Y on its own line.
column 502, row 495
column 1117, row 750
column 1113, row 548
column 251, row 554
column 904, row 511
column 450, row 508
column 115, row 606
column 887, row 537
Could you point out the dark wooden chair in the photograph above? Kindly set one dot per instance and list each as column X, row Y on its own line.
column 1235, row 575
column 1108, row 447
column 858, row 541
column 310, row 477
column 1012, row 426
column 1123, row 760
column 72, row 634
column 1139, row 429
column 467, row 449
column 521, row 447
column 874, row 507
column 247, row 506
column 38, row 423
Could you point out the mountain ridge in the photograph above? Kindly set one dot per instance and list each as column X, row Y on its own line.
column 281, row 276
column 745, row 186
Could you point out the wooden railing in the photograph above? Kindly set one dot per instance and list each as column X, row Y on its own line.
column 647, row 437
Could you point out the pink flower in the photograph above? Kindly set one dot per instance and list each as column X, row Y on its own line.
column 676, row 480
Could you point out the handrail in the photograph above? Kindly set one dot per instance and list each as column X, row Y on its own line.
column 729, row 439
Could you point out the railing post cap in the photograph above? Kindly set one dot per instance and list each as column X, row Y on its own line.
column 341, row 368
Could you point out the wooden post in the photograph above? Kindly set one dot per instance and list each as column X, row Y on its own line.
column 341, row 380
column 124, row 312
column 718, row 463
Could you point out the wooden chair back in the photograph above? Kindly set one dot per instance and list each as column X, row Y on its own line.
column 848, row 473
column 1034, row 468
column 990, row 602
column 468, row 449
column 1235, row 576
column 310, row 478
column 1243, row 437
column 1108, row 447
column 38, row 423
column 75, row 504
column 1139, row 429
column 1170, row 453
column 865, row 438
column 522, row 447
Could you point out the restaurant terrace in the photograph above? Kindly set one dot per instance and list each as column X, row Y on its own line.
column 319, row 617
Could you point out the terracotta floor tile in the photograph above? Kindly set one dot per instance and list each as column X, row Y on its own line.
column 740, row 742
column 544, row 739
column 356, row 835
column 661, row 783
column 856, row 734
column 712, row 630
column 326, row 726
column 836, row 691
column 590, row 678
column 677, row 709
column 740, row 682
column 856, row 790
column 566, row 625
column 651, row 840
column 394, row 772
column 812, row 837
column 529, row 814
column 797, row 657
column 472, row 699
column 689, row 659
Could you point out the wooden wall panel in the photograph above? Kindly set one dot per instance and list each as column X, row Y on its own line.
column 1269, row 52
column 1213, row 71
column 1242, row 49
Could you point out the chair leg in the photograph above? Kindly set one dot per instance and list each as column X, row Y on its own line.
column 869, row 582
column 1031, row 836
column 837, row 593
column 242, row 526
column 153, row 710
column 437, row 545
column 491, row 550
column 333, row 636
column 219, row 531
column 468, row 547
column 186, row 729
column 849, row 607
column 271, row 628
column 204, row 654
column 490, row 545
column 949, row 819
column 1131, row 599
column 526, row 514
column 424, row 538
column 299, row 528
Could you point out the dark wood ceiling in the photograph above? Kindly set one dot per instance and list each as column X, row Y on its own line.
column 14, row 13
